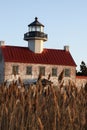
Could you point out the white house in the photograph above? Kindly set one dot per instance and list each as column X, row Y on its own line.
column 29, row 62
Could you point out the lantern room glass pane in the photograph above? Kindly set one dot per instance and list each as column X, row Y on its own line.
column 42, row 29
column 30, row 28
column 33, row 28
column 38, row 28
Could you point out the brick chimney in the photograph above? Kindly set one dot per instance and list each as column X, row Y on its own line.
column 2, row 43
column 66, row 48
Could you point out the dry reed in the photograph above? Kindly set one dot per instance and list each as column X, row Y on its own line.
column 39, row 108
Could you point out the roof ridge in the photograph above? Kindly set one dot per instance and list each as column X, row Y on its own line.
column 54, row 49
column 15, row 46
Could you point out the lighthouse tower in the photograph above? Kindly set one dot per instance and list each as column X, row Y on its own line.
column 35, row 36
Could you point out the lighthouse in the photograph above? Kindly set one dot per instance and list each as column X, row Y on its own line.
column 35, row 36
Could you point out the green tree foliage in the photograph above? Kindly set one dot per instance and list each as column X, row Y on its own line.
column 83, row 69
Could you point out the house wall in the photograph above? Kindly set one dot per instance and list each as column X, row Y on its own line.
column 1, row 67
column 35, row 71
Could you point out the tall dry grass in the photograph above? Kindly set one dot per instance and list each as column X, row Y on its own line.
column 43, row 108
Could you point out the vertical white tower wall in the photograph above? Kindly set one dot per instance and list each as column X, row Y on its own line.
column 36, row 45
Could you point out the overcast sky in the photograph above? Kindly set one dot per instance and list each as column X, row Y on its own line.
column 65, row 23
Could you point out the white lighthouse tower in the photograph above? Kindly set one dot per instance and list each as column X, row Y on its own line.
column 35, row 36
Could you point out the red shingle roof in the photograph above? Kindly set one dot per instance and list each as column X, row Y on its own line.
column 81, row 77
column 48, row 56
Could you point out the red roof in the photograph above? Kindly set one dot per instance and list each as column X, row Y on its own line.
column 81, row 77
column 48, row 56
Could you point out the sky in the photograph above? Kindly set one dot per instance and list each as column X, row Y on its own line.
column 65, row 23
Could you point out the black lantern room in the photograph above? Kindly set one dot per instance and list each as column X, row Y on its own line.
column 36, row 31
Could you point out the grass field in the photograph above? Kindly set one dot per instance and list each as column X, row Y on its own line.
column 43, row 108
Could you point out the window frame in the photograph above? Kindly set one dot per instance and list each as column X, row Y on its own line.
column 54, row 71
column 15, row 69
column 67, row 72
column 29, row 70
column 0, row 57
column 42, row 70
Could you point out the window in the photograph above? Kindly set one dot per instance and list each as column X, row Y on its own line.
column 38, row 28
column 54, row 71
column 33, row 28
column 29, row 70
column 42, row 70
column 30, row 29
column 42, row 29
column 0, row 57
column 67, row 72
column 15, row 69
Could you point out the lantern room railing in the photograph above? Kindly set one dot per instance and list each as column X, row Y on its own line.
column 30, row 35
